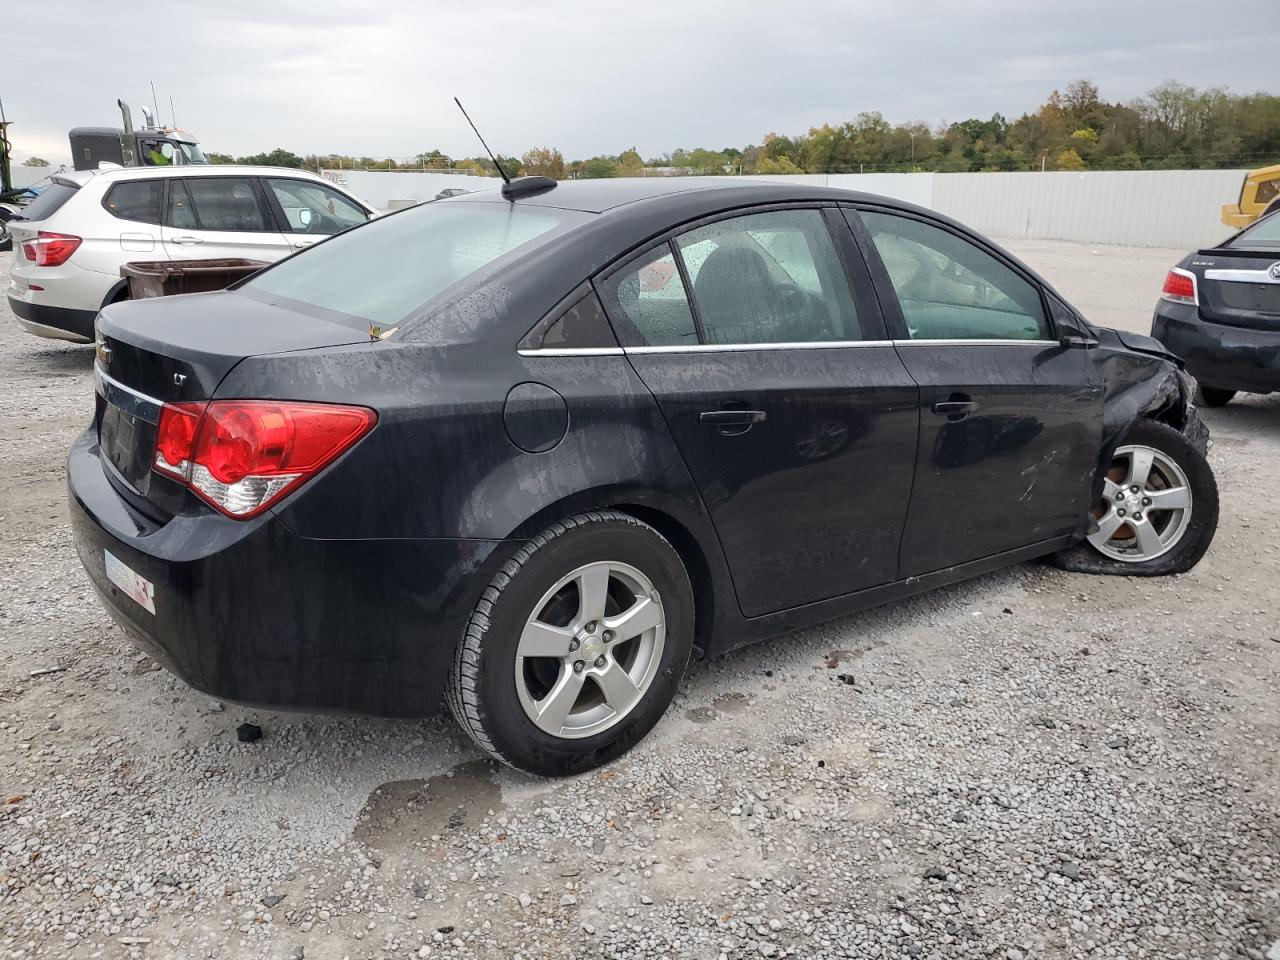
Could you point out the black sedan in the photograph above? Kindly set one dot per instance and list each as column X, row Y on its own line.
column 1220, row 312
column 531, row 449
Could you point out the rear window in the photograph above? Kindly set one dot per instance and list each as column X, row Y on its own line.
column 1264, row 235
column 50, row 200
column 384, row 272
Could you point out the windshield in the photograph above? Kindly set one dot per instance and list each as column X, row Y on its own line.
column 1263, row 235
column 191, row 152
column 386, row 271
column 48, row 201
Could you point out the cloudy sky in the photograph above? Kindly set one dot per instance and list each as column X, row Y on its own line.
column 590, row 76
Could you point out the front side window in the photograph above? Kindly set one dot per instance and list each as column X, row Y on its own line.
column 135, row 200
column 951, row 289
column 226, row 203
column 389, row 270
column 649, row 303
column 314, row 208
column 769, row 278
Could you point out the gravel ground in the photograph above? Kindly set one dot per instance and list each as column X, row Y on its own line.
column 1032, row 764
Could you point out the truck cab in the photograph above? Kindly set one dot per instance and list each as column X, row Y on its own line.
column 151, row 146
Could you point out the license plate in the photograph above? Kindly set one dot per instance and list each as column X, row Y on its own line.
column 138, row 588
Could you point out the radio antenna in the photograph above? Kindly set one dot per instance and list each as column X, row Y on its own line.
column 502, row 173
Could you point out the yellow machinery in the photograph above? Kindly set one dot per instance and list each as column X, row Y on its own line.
column 1259, row 195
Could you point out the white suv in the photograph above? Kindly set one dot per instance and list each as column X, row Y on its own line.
column 73, row 239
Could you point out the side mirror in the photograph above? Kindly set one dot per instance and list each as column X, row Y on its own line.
column 1076, row 341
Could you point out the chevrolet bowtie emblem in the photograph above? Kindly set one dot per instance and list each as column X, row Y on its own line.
column 104, row 354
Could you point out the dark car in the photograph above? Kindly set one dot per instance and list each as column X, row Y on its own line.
column 529, row 450
column 1220, row 312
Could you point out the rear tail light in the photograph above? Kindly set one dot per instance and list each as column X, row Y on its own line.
column 50, row 249
column 1180, row 286
column 241, row 456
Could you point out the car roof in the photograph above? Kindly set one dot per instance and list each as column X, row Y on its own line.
column 604, row 194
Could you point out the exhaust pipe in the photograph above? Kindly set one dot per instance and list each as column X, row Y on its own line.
column 127, row 156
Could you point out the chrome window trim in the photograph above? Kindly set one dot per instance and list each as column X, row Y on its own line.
column 741, row 347
column 1241, row 276
column 133, row 402
column 977, row 343
column 789, row 345
column 572, row 352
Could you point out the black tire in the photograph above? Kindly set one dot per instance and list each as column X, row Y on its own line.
column 1214, row 396
column 1186, row 553
column 481, row 687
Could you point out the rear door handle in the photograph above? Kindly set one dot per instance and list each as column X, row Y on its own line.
column 731, row 418
column 732, row 422
column 185, row 241
column 956, row 407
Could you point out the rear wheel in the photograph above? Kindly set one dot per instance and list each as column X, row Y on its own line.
column 577, row 646
column 1158, row 511
column 1214, row 396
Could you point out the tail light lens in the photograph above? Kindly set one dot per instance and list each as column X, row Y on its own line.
column 1180, row 286
column 241, row 456
column 50, row 249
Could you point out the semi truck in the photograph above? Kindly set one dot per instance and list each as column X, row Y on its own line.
column 150, row 145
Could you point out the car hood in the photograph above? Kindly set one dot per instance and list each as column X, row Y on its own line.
column 1141, row 343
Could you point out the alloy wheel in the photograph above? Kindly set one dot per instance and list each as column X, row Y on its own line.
column 1145, row 507
column 590, row 650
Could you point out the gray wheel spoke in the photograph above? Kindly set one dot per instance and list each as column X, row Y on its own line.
column 593, row 592
column 543, row 640
column 1177, row 498
column 1140, row 466
column 1107, row 527
column 1109, row 488
column 644, row 614
column 554, row 708
column 1148, row 540
column 620, row 691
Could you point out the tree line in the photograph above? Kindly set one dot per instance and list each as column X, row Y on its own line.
column 1173, row 126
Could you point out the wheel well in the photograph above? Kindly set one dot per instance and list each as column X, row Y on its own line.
column 117, row 293
column 695, row 562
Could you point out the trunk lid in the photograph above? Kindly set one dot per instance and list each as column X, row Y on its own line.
column 172, row 349
column 1239, row 287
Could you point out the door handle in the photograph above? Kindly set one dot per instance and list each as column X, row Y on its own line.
column 956, row 407
column 731, row 418
column 732, row 422
column 185, row 241
column 302, row 243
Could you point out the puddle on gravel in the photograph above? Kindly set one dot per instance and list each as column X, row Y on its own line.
column 405, row 811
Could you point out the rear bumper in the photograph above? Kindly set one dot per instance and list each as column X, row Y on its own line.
column 54, row 323
column 252, row 613
column 1232, row 358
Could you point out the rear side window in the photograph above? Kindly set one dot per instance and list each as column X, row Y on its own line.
column 226, row 203
column 387, row 270
column 135, row 200
column 648, row 300
column 49, row 201
column 770, row 277
column 951, row 289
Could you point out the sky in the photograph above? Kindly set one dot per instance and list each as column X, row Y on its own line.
column 593, row 77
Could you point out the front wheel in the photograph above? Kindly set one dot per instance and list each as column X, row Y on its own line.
column 576, row 647
column 1158, row 511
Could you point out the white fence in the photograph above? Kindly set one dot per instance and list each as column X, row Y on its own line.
column 1145, row 208
column 384, row 189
